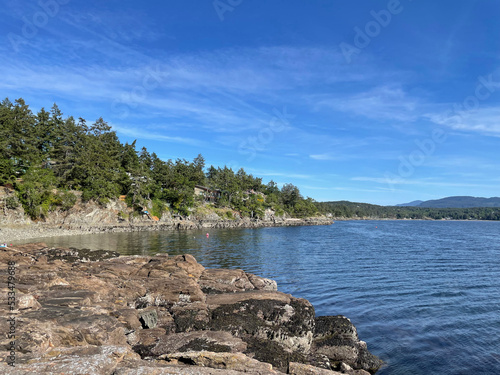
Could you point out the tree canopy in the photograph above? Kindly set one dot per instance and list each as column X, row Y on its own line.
column 43, row 154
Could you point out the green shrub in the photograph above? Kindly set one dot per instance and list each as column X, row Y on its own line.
column 12, row 203
column 158, row 208
column 129, row 200
column 122, row 215
column 35, row 192
column 223, row 202
column 278, row 211
column 245, row 212
column 87, row 195
column 103, row 201
column 67, row 200
column 48, row 204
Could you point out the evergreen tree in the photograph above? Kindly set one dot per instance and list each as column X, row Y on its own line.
column 19, row 129
column 7, row 168
column 97, row 168
column 42, row 133
column 290, row 195
column 64, row 155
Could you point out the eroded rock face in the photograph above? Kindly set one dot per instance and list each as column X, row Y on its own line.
column 117, row 314
column 272, row 316
column 337, row 338
column 275, row 325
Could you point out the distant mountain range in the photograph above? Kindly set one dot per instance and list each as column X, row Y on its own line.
column 411, row 204
column 455, row 202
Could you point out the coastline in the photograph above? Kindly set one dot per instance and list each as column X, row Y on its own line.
column 22, row 233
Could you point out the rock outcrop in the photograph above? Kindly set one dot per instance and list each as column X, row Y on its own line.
column 84, row 312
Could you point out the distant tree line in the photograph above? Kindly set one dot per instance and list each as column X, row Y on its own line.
column 47, row 157
column 345, row 209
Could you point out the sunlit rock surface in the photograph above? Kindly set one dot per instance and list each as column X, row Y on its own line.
column 84, row 312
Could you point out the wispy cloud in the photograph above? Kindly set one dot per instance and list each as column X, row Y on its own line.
column 331, row 156
column 342, row 188
column 267, row 173
column 379, row 103
column 326, row 156
column 145, row 134
column 219, row 89
column 357, row 153
column 421, row 182
column 451, row 162
column 484, row 120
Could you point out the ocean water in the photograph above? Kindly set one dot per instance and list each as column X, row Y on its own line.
column 424, row 295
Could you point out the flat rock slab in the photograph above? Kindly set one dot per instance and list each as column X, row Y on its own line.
column 295, row 368
column 303, row 369
column 232, row 298
column 224, row 281
column 88, row 360
column 213, row 341
column 142, row 368
column 228, row 361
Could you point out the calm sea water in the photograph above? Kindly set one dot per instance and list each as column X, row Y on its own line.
column 424, row 295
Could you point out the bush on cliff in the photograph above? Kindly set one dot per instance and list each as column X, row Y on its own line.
column 35, row 193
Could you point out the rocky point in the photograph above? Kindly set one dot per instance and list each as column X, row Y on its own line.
column 87, row 312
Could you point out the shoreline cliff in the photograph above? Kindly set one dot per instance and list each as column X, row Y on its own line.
column 95, row 312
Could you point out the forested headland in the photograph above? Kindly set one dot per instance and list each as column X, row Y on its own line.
column 50, row 160
column 353, row 210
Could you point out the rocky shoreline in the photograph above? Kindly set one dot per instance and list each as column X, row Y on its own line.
column 23, row 232
column 95, row 312
column 90, row 218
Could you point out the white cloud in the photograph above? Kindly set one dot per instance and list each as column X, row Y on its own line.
column 267, row 173
column 339, row 156
column 342, row 188
column 451, row 163
column 326, row 156
column 484, row 120
column 145, row 134
column 379, row 103
column 421, row 182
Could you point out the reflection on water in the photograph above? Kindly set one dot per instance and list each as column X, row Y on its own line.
column 227, row 248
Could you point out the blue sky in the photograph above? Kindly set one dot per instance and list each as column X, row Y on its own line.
column 374, row 101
